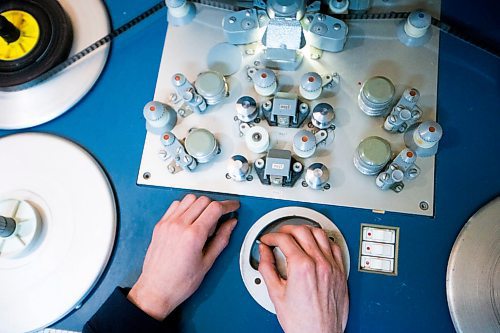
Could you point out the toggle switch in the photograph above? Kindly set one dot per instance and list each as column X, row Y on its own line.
column 379, row 235
column 377, row 264
column 377, row 249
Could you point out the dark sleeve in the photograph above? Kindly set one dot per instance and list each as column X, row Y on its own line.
column 118, row 314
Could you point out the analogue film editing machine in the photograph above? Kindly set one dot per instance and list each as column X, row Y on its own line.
column 324, row 113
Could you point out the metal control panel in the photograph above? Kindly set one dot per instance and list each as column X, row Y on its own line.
column 372, row 49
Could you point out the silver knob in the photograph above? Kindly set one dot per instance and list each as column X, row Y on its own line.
column 317, row 175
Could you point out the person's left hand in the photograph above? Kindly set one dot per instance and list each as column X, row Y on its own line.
column 180, row 253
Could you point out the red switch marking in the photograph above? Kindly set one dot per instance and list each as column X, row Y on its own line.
column 305, row 139
column 432, row 129
column 152, row 108
column 311, row 79
column 409, row 154
column 369, row 234
column 263, row 75
column 166, row 137
column 368, row 248
column 177, row 78
column 367, row 263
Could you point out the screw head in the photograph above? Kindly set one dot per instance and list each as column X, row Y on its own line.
column 424, row 205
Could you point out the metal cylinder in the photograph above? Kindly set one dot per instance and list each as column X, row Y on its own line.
column 376, row 96
column 8, row 31
column 264, row 82
column 304, row 144
column 372, row 155
column 202, row 145
column 238, row 168
column 424, row 138
column 211, row 86
column 317, row 175
column 323, row 116
column 178, row 79
column 338, row 6
column 310, row 85
column 246, row 109
column 159, row 117
column 7, row 226
column 286, row 8
column 417, row 24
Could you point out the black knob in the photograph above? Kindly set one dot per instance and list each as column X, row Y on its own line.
column 7, row 226
column 8, row 31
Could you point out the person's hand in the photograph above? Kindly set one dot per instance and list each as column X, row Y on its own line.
column 314, row 296
column 180, row 253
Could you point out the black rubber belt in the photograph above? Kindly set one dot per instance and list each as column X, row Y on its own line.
column 160, row 5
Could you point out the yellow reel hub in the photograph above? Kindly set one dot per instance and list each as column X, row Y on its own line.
column 30, row 34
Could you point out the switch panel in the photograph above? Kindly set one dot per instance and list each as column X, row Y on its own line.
column 378, row 249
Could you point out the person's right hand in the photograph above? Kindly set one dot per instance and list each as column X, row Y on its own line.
column 314, row 297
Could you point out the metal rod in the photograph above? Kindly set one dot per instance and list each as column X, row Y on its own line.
column 8, row 31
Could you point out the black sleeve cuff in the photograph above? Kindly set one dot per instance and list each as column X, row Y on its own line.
column 118, row 314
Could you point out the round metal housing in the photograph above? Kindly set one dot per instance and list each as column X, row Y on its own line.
column 304, row 144
column 286, row 8
column 310, row 85
column 323, row 116
column 238, row 168
column 317, row 175
column 212, row 86
column 272, row 221
column 376, row 96
column 473, row 274
column 372, row 154
column 159, row 117
column 423, row 138
column 415, row 30
column 246, row 109
column 202, row 145
column 264, row 81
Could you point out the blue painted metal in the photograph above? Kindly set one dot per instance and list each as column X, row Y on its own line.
column 414, row 301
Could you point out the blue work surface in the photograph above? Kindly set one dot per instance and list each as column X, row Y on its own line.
column 109, row 123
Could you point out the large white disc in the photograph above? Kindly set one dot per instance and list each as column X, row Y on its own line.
column 50, row 99
column 76, row 205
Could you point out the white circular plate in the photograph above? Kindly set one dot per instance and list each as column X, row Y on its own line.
column 78, row 224
column 249, row 274
column 473, row 275
column 50, row 99
column 225, row 59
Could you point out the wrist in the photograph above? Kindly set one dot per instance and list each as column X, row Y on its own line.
column 148, row 300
